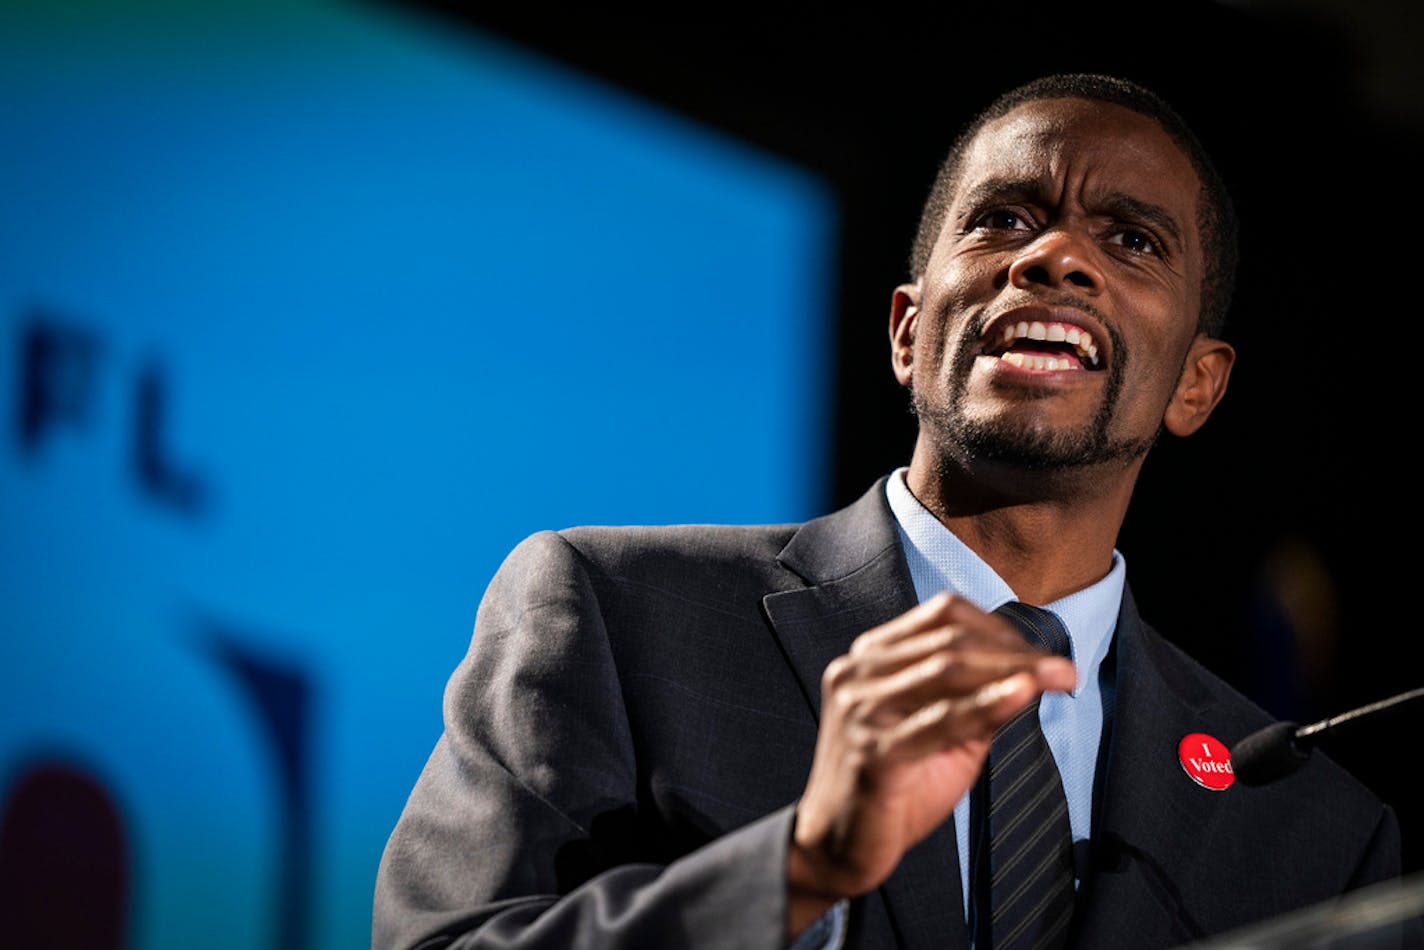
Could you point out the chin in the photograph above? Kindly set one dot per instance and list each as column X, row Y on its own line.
column 1039, row 448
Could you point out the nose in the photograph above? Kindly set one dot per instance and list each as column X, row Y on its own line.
column 1058, row 259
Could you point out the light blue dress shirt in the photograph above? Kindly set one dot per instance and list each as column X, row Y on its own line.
column 1072, row 722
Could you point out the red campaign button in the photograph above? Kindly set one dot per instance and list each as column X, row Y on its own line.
column 1207, row 761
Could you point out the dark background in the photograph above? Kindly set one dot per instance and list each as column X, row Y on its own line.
column 1273, row 545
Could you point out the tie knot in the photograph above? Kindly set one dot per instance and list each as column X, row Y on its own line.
column 1040, row 627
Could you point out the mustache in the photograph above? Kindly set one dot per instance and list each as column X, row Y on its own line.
column 1052, row 298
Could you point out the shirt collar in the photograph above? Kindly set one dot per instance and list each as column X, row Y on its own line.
column 939, row 561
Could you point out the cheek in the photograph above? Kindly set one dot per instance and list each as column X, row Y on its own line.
column 1166, row 305
column 1159, row 331
column 936, row 347
column 1149, row 390
column 927, row 353
column 952, row 301
column 966, row 280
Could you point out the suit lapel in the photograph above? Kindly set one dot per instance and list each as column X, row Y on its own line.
column 1145, row 838
column 855, row 570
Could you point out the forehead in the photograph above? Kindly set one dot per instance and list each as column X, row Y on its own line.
column 1093, row 150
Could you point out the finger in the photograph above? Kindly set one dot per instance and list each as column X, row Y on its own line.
column 940, row 612
column 881, row 658
column 924, row 616
column 943, row 674
column 1055, row 674
column 946, row 723
column 958, row 642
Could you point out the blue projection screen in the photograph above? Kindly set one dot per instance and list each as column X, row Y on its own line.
column 310, row 312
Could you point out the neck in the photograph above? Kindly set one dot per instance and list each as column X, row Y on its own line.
column 1047, row 534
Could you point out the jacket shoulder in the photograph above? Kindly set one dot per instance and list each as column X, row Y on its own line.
column 623, row 547
column 1320, row 780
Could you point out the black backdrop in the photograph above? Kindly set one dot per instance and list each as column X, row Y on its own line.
column 1292, row 514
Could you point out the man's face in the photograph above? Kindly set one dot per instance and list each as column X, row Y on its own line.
column 1059, row 305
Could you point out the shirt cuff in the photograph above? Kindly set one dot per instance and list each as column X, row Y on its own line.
column 828, row 931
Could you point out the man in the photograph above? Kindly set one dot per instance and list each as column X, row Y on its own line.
column 749, row 736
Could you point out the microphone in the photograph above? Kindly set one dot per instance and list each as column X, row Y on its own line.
column 1282, row 747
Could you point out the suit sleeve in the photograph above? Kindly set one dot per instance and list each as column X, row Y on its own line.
column 1380, row 867
column 1381, row 859
column 505, row 841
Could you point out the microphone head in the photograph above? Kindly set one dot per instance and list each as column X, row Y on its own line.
column 1268, row 754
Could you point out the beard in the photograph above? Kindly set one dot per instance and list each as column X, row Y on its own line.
column 1027, row 447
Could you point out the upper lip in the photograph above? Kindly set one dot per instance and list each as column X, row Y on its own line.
column 1094, row 356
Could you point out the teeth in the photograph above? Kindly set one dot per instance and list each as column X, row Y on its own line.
column 1040, row 363
column 1053, row 333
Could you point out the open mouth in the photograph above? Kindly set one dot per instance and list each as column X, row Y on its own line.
column 1046, row 346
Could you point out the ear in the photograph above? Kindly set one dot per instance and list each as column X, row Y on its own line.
column 1201, row 386
column 904, row 317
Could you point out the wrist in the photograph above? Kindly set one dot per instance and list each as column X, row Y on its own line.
column 808, row 893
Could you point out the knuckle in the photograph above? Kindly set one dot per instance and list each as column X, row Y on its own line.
column 838, row 673
column 864, row 745
column 854, row 706
column 862, row 751
column 936, row 714
column 942, row 605
column 864, row 643
column 938, row 666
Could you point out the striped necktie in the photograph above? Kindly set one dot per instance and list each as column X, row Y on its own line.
column 1030, row 841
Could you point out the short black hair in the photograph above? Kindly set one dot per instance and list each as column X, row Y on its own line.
column 1216, row 216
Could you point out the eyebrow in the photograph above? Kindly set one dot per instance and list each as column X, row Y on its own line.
column 1126, row 207
column 1004, row 189
column 1116, row 204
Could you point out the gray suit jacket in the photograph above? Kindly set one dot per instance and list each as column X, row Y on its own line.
column 627, row 736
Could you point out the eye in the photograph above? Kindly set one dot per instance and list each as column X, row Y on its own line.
column 1002, row 220
column 1139, row 242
